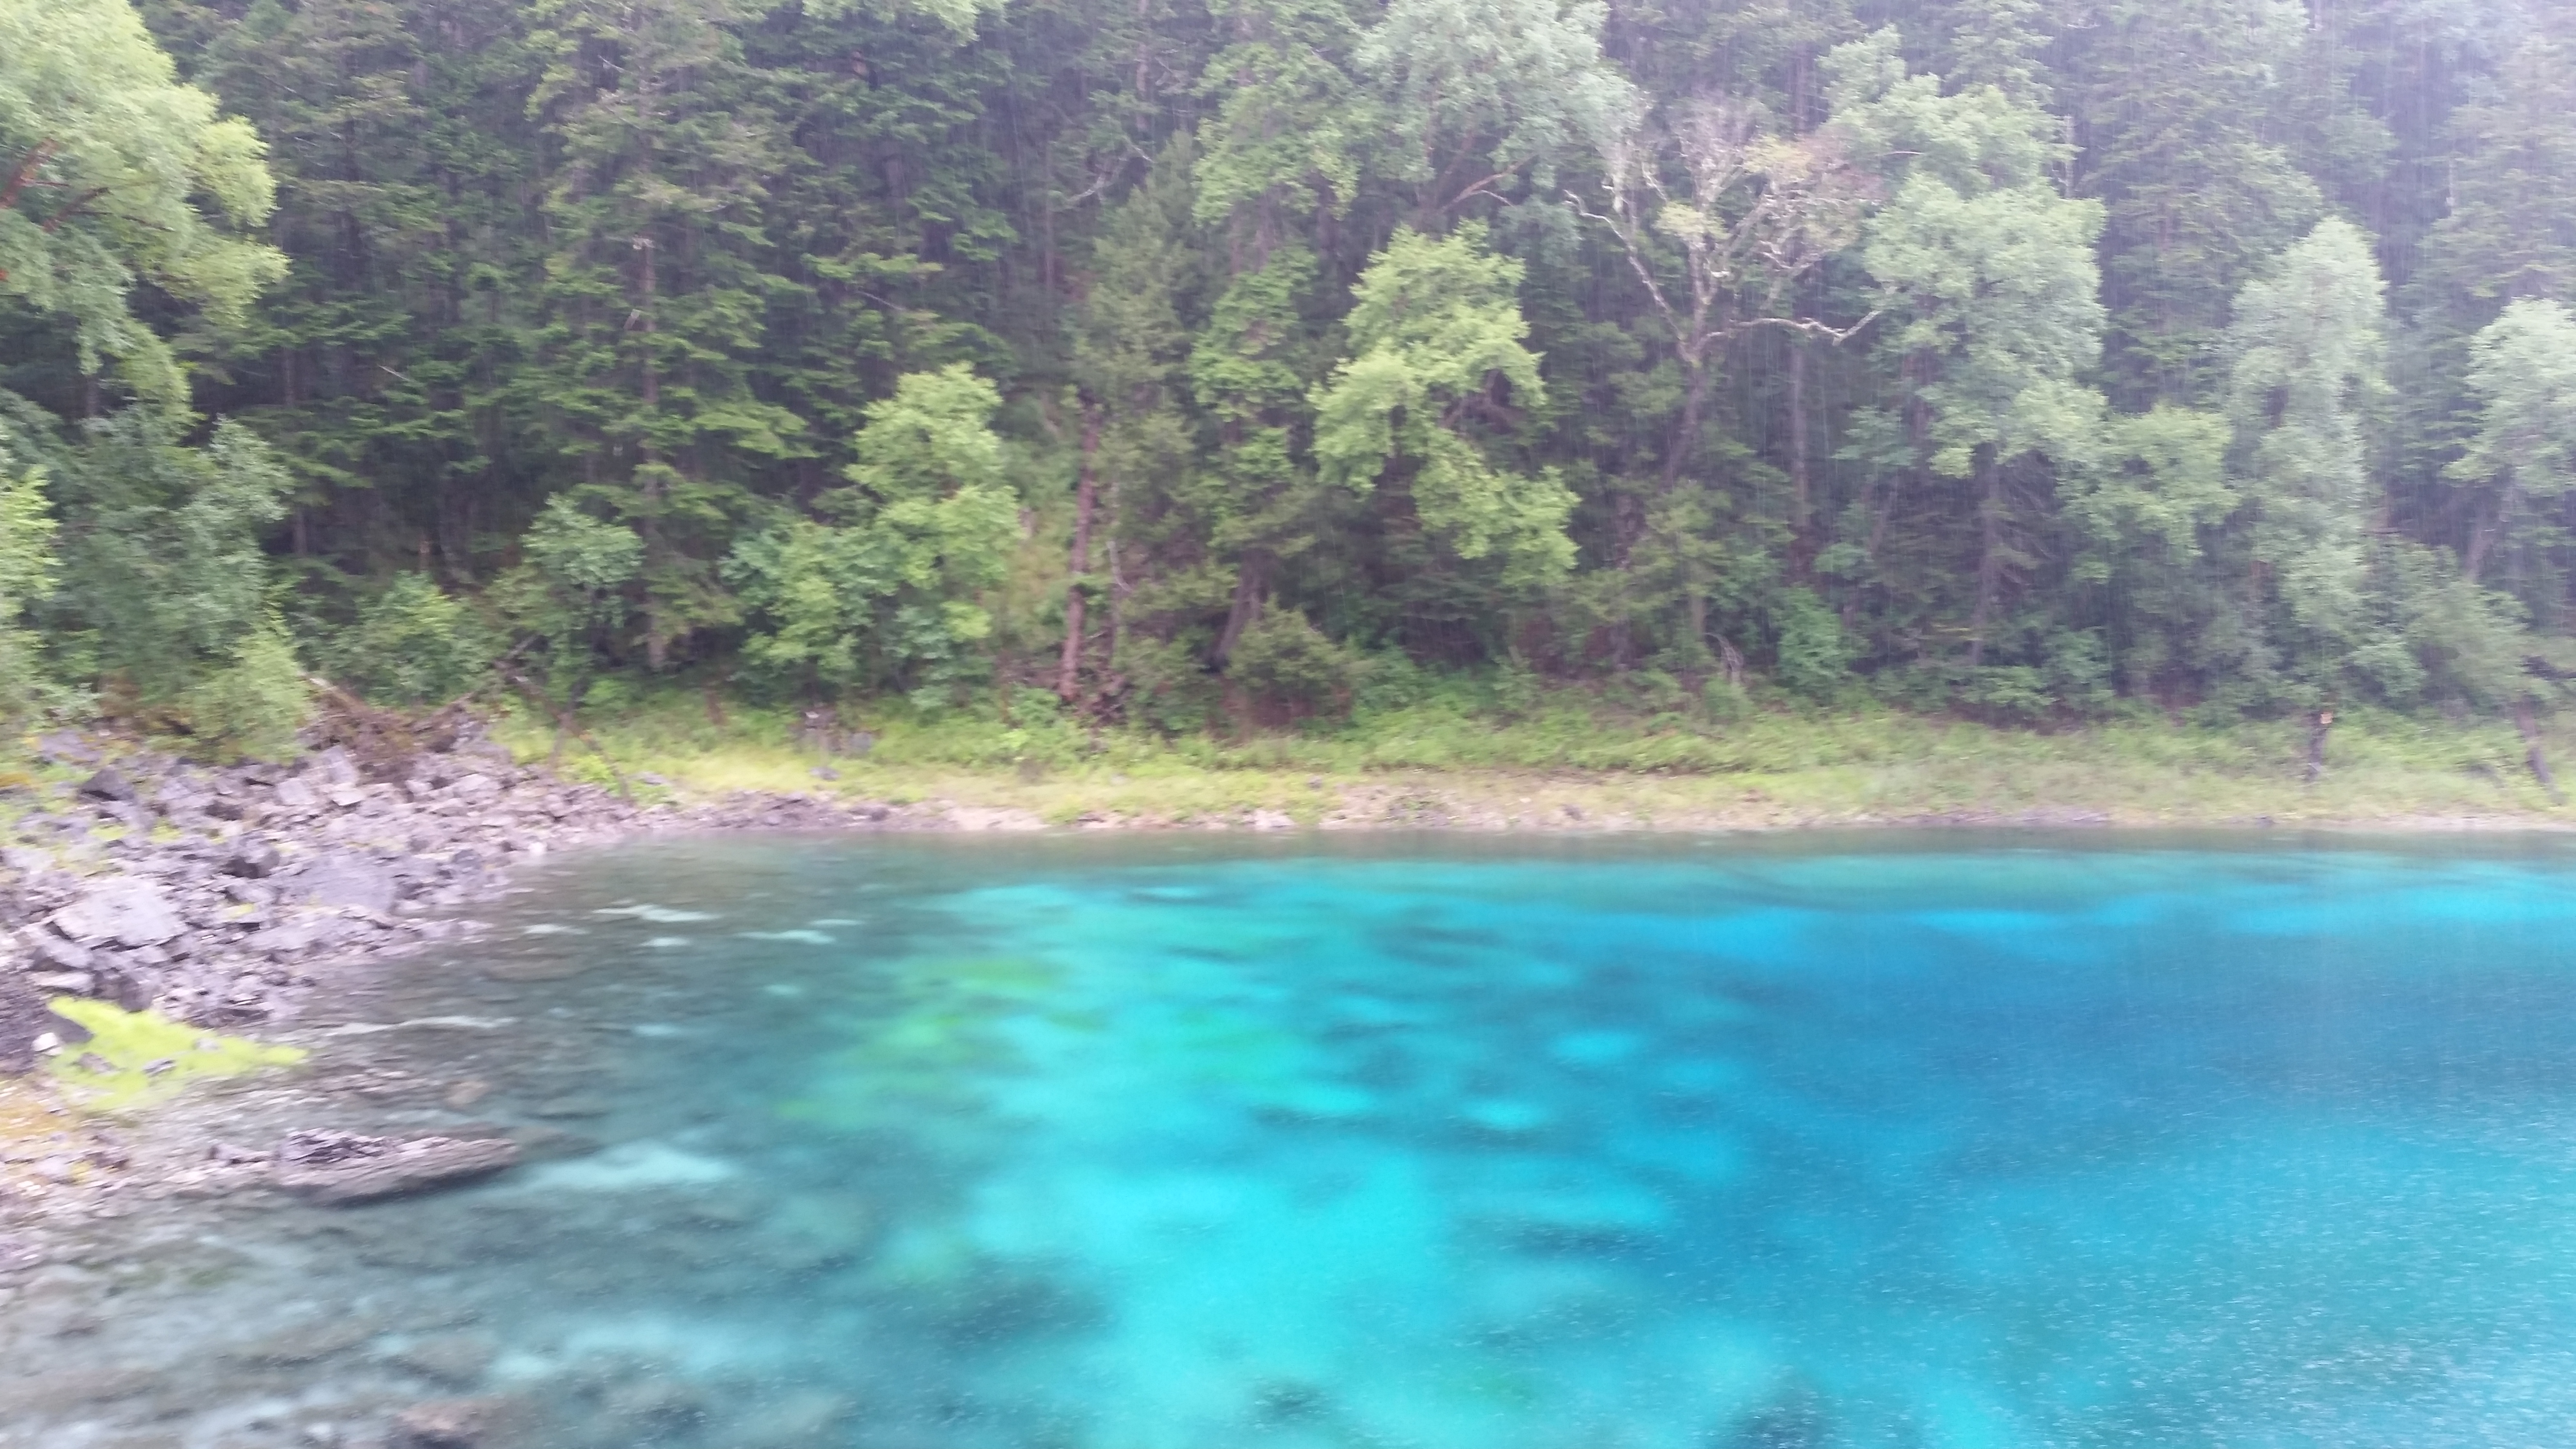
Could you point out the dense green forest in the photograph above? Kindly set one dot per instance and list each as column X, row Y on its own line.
column 1176, row 362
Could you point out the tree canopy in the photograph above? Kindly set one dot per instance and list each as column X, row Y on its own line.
column 2028, row 361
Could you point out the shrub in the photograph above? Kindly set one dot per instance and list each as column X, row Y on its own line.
column 413, row 644
column 252, row 707
column 1814, row 655
column 1288, row 670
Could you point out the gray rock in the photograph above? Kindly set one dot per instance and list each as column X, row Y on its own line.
column 333, row 768
column 124, row 986
column 63, row 983
column 62, row 747
column 346, row 1167
column 25, row 861
column 53, row 951
column 123, row 909
column 253, row 860
column 293, row 794
column 128, row 814
column 296, row 937
column 25, row 1019
column 362, row 884
column 108, row 784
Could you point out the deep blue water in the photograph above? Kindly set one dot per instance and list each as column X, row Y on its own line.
column 1877, row 1142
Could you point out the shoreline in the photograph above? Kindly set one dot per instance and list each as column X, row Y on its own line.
column 227, row 898
column 299, row 957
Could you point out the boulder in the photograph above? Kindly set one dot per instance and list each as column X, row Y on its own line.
column 25, row 860
column 295, row 937
column 53, row 952
column 253, row 860
column 362, row 884
column 346, row 1167
column 333, row 768
column 123, row 909
column 25, row 1020
column 293, row 794
column 108, row 784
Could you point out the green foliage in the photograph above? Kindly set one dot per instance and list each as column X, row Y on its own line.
column 1995, row 359
column 162, row 571
column 2307, row 347
column 413, row 644
column 1478, row 90
column 891, row 598
column 572, row 591
column 107, row 169
column 250, row 707
column 1814, row 654
column 1289, row 669
column 2522, row 370
column 27, row 571
column 1437, row 334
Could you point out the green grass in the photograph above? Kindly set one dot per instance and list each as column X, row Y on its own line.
column 137, row 1058
column 1452, row 754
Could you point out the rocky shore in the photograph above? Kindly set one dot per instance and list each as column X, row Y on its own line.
column 214, row 895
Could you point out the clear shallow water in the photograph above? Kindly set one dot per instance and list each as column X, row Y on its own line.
column 1150, row 1144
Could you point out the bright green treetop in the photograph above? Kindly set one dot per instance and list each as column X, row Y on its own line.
column 105, row 161
column 1437, row 334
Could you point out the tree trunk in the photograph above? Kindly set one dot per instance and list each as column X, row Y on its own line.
column 1989, row 560
column 2481, row 539
column 1802, row 549
column 1251, row 584
column 2532, row 756
column 1086, row 494
column 2318, row 727
column 1686, row 433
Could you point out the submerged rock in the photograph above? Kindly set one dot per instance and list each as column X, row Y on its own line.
column 458, row 1360
column 449, row 1424
column 347, row 1167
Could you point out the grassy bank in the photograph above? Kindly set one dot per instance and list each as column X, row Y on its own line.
column 1578, row 761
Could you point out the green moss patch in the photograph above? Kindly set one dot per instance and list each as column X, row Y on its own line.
column 148, row 1058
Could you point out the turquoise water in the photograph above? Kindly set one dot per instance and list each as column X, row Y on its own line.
column 1979, row 1142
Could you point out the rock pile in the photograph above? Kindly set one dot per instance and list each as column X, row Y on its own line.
column 211, row 894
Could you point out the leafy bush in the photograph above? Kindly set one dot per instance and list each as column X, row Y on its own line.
column 1288, row 670
column 26, row 577
column 1814, row 656
column 412, row 644
column 251, row 708
column 161, row 561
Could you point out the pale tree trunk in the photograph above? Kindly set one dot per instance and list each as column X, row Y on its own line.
column 1802, row 550
column 1068, row 682
column 2482, row 539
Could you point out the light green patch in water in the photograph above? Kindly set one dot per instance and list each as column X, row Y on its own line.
column 150, row 1058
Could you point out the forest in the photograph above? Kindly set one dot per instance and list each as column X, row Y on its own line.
column 1189, row 365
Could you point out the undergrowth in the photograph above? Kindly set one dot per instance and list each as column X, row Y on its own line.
column 1497, row 735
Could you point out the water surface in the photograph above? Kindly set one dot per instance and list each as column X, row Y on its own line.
column 1181, row 1145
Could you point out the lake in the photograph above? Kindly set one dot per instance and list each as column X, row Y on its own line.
column 1193, row 1143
